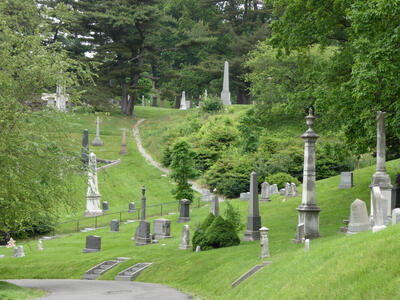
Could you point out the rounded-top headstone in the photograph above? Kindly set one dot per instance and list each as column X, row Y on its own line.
column 359, row 220
column 105, row 206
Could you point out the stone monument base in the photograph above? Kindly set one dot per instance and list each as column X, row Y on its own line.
column 309, row 216
column 184, row 247
column 97, row 141
column 265, row 199
column 252, row 232
column 93, row 213
column 143, row 236
column 183, row 220
column 87, row 250
column 123, row 149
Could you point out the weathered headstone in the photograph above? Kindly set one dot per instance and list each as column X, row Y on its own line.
column 359, row 220
column 274, row 189
column 162, row 228
column 396, row 192
column 245, row 196
column 123, row 150
column 183, row 101
column 93, row 244
column 309, row 210
column 346, row 180
column 18, row 251
column 105, row 206
column 264, row 242
column 131, row 208
column 143, row 236
column 198, row 249
column 379, row 209
column 295, row 193
column 188, row 104
column 40, row 245
column 97, row 140
column 185, row 244
column 205, row 195
column 282, row 192
column 114, row 225
column 288, row 190
column 142, row 100
column 395, row 216
column 93, row 196
column 381, row 178
column 184, row 211
column 299, row 238
column 85, row 147
column 265, row 192
column 215, row 203
column 307, row 245
column 225, row 94
column 253, row 220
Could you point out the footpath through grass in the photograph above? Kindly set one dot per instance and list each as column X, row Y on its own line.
column 10, row 291
column 364, row 266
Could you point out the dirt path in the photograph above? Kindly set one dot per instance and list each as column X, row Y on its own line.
column 148, row 157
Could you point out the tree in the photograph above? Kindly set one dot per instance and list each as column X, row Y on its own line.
column 182, row 166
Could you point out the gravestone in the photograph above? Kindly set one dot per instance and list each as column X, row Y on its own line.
column 162, row 228
column 245, row 196
column 123, row 150
column 252, row 232
column 85, row 147
column 346, row 180
column 379, row 209
column 105, row 206
column 396, row 192
column 307, row 245
column 282, row 192
column 215, row 203
column 142, row 235
column 205, row 195
column 185, row 244
column 183, row 104
column 184, row 211
column 265, row 192
column 40, row 245
column 198, row 249
column 154, row 101
column 288, row 190
column 97, row 141
column 131, row 208
column 188, row 104
column 93, row 244
column 299, row 238
column 274, row 189
column 18, row 251
column 395, row 216
column 295, row 193
column 92, row 195
column 359, row 220
column 114, row 225
column 264, row 243
column 225, row 94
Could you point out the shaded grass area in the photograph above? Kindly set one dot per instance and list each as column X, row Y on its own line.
column 9, row 291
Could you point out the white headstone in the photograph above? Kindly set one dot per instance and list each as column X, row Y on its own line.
column 264, row 243
column 215, row 203
column 198, row 249
column 93, row 196
column 379, row 209
column 359, row 220
column 265, row 189
column 185, row 244
column 295, row 193
column 307, row 245
column 183, row 102
column 225, row 94
column 288, row 190
column 395, row 216
column 18, row 251
column 40, row 245
column 205, row 195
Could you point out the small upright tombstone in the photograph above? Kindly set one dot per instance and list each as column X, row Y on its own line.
column 265, row 189
column 215, row 203
column 162, row 228
column 114, row 225
column 185, row 244
column 123, row 145
column 245, row 196
column 395, row 216
column 282, row 192
column 85, row 147
column 205, row 195
column 105, row 206
column 379, row 209
column 131, row 208
column 93, row 244
column 184, row 211
column 307, row 245
column 299, row 238
column 346, row 180
column 264, row 242
column 18, row 251
column 198, row 249
column 288, row 190
column 40, row 245
column 359, row 220
column 274, row 189
column 97, row 140
column 396, row 192
column 183, row 105
column 295, row 193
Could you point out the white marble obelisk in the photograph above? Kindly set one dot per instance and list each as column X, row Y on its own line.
column 225, row 94
column 381, row 178
column 183, row 101
column 93, row 196
column 97, row 140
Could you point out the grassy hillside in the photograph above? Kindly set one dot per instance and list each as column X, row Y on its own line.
column 363, row 266
column 10, row 291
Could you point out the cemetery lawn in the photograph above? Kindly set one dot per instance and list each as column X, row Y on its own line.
column 9, row 291
column 363, row 266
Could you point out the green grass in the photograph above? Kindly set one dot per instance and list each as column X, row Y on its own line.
column 9, row 291
column 363, row 266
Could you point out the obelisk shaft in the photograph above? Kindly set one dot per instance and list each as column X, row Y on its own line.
column 381, row 143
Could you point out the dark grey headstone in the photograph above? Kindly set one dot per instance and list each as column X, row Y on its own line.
column 154, row 101
column 253, row 220
column 105, row 206
column 93, row 244
column 85, row 147
column 184, row 211
column 143, row 236
column 131, row 207
column 114, row 225
column 346, row 180
column 162, row 228
column 396, row 193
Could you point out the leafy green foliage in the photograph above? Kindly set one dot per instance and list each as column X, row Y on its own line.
column 211, row 105
column 221, row 233
column 199, row 236
column 280, row 179
column 232, row 215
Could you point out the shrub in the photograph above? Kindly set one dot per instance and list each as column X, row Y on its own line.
column 200, row 233
column 211, row 105
column 221, row 234
column 166, row 157
column 232, row 215
column 280, row 179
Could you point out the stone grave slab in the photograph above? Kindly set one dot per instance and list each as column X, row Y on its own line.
column 132, row 272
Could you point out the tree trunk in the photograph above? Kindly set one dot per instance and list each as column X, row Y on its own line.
column 124, row 103
column 242, row 96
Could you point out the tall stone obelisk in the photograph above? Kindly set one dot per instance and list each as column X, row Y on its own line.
column 123, row 145
column 85, row 147
column 381, row 178
column 183, row 101
column 97, row 140
column 252, row 232
column 309, row 210
column 142, row 235
column 225, row 94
